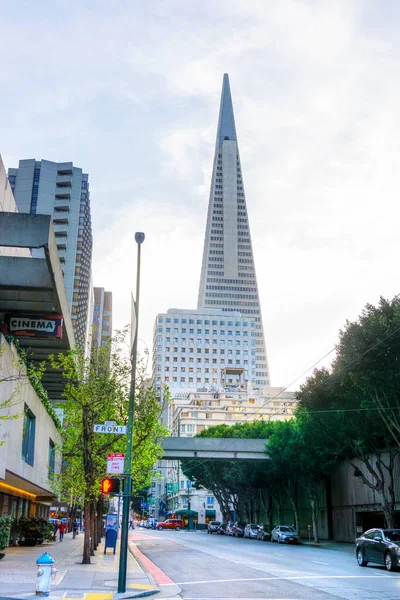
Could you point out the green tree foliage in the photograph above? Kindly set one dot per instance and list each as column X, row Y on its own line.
column 97, row 390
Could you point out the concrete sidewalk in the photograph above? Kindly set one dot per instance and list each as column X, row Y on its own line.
column 97, row 581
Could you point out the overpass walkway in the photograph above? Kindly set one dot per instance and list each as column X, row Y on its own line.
column 179, row 448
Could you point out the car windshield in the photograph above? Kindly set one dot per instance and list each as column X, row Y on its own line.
column 253, row 526
column 392, row 535
column 287, row 529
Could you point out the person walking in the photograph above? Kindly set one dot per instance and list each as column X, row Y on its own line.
column 61, row 529
column 74, row 530
column 55, row 529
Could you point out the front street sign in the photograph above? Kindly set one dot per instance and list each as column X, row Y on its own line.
column 109, row 427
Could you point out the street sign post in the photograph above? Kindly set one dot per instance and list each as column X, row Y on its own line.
column 115, row 463
column 109, row 427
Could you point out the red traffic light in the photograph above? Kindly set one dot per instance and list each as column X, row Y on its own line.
column 110, row 485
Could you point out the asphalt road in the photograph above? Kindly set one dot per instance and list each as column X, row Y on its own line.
column 210, row 566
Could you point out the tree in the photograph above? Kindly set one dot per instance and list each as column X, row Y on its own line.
column 356, row 404
column 97, row 390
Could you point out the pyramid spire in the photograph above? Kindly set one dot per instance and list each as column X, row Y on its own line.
column 226, row 122
column 228, row 277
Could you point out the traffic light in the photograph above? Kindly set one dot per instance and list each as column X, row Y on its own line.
column 110, row 485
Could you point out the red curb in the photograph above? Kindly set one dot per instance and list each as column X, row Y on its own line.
column 159, row 576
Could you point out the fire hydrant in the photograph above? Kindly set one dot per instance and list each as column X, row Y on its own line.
column 45, row 571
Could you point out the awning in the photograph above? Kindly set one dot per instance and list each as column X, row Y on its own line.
column 184, row 512
column 210, row 513
column 35, row 286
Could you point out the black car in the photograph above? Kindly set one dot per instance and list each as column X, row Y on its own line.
column 380, row 546
column 238, row 529
column 264, row 533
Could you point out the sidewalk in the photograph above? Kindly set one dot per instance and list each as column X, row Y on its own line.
column 97, row 581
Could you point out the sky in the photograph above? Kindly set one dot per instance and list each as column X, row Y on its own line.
column 129, row 91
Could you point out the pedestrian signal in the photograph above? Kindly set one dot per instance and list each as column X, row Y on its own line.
column 110, row 485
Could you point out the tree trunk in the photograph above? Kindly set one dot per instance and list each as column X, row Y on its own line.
column 314, row 517
column 99, row 519
column 295, row 513
column 86, row 540
column 92, row 520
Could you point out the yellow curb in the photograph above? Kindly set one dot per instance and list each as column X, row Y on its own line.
column 94, row 596
column 141, row 586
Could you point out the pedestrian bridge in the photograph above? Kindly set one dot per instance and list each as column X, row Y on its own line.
column 180, row 448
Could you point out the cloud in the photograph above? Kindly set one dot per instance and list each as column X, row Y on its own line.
column 130, row 93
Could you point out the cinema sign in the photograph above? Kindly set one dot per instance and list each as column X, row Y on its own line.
column 35, row 326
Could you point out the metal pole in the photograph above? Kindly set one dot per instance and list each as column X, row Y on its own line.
column 139, row 239
column 119, row 512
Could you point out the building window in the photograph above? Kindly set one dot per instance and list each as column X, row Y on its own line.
column 28, row 436
column 52, row 458
column 210, row 500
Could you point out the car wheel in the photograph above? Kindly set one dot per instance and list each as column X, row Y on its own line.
column 389, row 564
column 360, row 558
column 177, row 528
column 160, row 528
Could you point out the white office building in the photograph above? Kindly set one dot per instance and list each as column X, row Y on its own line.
column 203, row 348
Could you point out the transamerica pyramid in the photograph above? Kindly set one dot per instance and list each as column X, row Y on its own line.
column 228, row 277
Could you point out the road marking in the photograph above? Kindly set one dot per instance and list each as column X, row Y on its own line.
column 288, row 578
column 319, row 563
column 276, row 554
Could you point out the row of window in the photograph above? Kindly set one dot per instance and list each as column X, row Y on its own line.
column 183, row 369
column 232, row 288
column 231, row 303
column 183, row 321
column 214, row 351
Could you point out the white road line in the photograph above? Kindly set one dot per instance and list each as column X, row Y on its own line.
column 276, row 554
column 319, row 563
column 288, row 578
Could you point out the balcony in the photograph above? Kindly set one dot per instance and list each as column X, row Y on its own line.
column 64, row 181
column 61, row 230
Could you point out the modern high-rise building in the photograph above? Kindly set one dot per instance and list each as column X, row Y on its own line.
column 228, row 277
column 102, row 317
column 62, row 191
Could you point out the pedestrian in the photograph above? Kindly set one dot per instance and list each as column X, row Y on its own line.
column 61, row 529
column 130, row 524
column 74, row 530
column 55, row 529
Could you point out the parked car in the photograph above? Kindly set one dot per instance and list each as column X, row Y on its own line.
column 285, row 534
column 229, row 529
column 213, row 526
column 176, row 524
column 151, row 523
column 264, row 533
column 380, row 546
column 222, row 529
column 141, row 523
column 238, row 529
column 251, row 531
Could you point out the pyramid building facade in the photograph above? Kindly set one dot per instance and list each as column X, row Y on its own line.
column 228, row 276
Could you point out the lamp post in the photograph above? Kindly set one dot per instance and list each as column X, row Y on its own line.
column 139, row 239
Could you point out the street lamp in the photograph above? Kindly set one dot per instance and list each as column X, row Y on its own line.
column 139, row 239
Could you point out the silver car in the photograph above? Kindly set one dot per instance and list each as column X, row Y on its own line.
column 251, row 531
column 285, row 534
